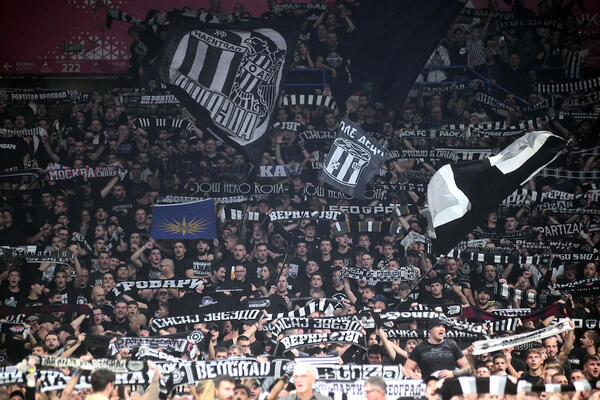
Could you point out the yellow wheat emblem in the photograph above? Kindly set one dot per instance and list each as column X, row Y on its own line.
column 195, row 225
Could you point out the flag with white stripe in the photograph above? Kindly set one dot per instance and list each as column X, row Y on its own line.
column 460, row 195
column 229, row 76
column 353, row 160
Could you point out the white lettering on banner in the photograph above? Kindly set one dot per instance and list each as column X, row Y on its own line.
column 395, row 388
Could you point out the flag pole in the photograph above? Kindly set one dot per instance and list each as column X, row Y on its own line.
column 422, row 278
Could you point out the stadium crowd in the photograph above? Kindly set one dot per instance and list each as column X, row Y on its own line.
column 105, row 222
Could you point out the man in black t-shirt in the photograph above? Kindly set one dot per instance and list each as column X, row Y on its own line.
column 436, row 356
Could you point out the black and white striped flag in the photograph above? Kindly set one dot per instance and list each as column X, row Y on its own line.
column 460, row 195
column 229, row 76
column 353, row 160
column 318, row 100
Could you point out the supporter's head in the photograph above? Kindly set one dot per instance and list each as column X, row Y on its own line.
column 310, row 231
column 342, row 240
column 483, row 296
column 97, row 315
column 591, row 367
column 368, row 293
column 36, row 286
column 51, row 342
column 167, row 267
column 60, row 280
column 437, row 329
column 379, row 302
column 489, row 273
column 38, row 350
column 305, row 377
column 261, row 252
column 311, row 267
column 500, row 363
column 560, row 379
column 179, row 250
column 576, row 375
column 218, row 273
column 108, row 281
column 437, row 286
column 325, row 247
column 551, row 346
column 482, row 371
column 221, row 353
column 241, row 392
column 534, row 360
column 282, row 284
column 364, row 241
column 244, row 343
column 119, row 191
column 98, row 296
column 120, row 310
column 239, row 252
column 14, row 278
column 103, row 381
column 375, row 388
column 590, row 270
column 267, row 274
column 590, row 340
column 239, row 272
column 155, row 256
column 367, row 261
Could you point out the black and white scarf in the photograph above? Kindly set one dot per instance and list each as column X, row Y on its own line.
column 367, row 226
column 279, row 8
column 576, row 86
column 63, row 174
column 555, row 230
column 292, row 126
column 411, row 315
column 499, row 258
column 37, row 131
column 347, row 323
column 333, row 194
column 236, row 368
column 424, row 333
column 529, row 23
column 355, row 338
column 403, row 274
column 31, row 255
column 163, row 123
column 116, row 366
column 491, row 345
column 322, row 306
column 430, row 133
column 584, row 100
column 189, row 284
column 425, row 154
column 511, row 293
column 174, row 199
column 353, row 372
column 520, row 234
column 579, row 116
column 499, row 104
column 499, row 126
column 238, row 315
column 381, row 209
column 317, row 100
column 525, row 196
column 170, row 344
column 216, row 189
column 579, row 288
column 24, row 95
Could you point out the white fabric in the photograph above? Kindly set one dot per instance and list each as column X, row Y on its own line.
column 446, row 201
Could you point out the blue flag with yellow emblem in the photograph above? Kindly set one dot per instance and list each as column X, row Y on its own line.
column 194, row 220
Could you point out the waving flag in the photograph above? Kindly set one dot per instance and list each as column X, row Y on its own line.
column 229, row 76
column 195, row 220
column 460, row 195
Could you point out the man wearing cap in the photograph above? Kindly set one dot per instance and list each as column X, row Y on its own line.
column 378, row 302
column 36, row 293
column 436, row 356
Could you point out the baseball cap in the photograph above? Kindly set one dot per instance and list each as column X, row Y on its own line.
column 379, row 297
column 435, row 322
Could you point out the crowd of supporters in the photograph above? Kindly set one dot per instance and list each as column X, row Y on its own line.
column 105, row 222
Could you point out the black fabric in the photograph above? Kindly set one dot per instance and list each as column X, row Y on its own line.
column 387, row 31
column 239, row 111
column 485, row 187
